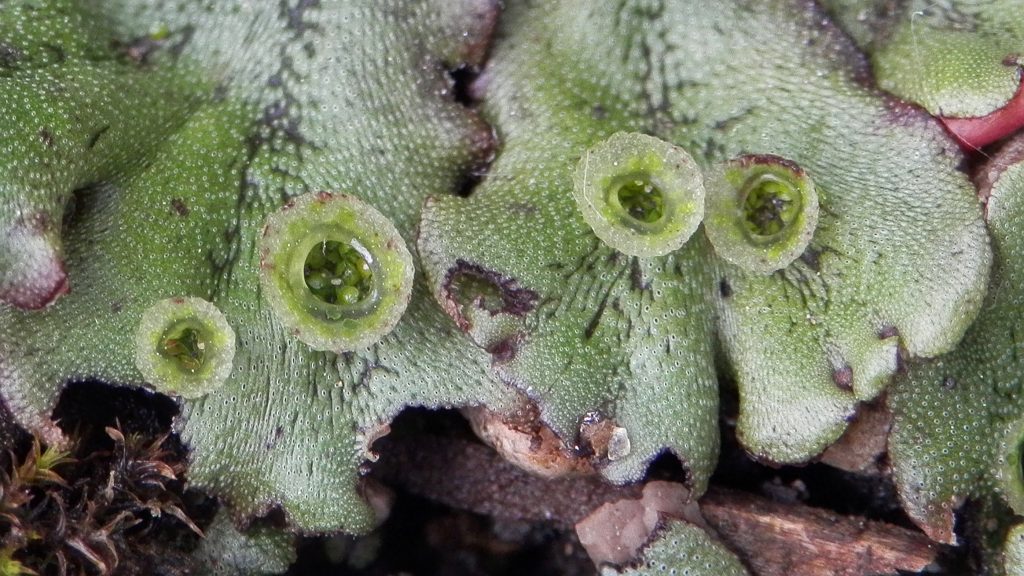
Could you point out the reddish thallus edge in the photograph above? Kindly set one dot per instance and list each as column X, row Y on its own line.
column 973, row 133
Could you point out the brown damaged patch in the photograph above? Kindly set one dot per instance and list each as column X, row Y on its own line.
column 937, row 521
column 370, row 434
column 47, row 137
column 179, row 207
column 842, row 377
column 483, row 141
column 602, row 439
column 504, row 351
column 522, row 439
column 482, row 21
column 467, row 284
column 887, row 332
column 749, row 160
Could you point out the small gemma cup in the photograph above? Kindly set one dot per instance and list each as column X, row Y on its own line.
column 184, row 347
column 762, row 211
column 335, row 271
column 642, row 196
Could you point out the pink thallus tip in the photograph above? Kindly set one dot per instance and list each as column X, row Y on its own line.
column 975, row 133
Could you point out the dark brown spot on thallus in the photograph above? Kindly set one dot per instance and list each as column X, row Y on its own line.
column 515, row 299
column 278, row 434
column 770, row 160
column 179, row 207
column 95, row 138
column 9, row 55
column 47, row 137
column 843, row 377
column 504, row 351
column 812, row 258
column 724, row 288
column 949, row 383
column 888, row 332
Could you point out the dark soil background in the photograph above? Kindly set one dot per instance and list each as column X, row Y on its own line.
column 423, row 536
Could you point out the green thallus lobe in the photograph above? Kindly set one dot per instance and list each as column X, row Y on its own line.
column 1010, row 472
column 335, row 271
column 762, row 212
column 641, row 195
column 184, row 347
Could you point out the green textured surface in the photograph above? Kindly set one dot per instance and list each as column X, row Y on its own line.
column 206, row 116
column 682, row 549
column 958, row 419
column 72, row 114
column 897, row 253
column 227, row 551
column 955, row 58
column 338, row 96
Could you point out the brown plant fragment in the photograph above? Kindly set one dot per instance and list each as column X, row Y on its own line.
column 470, row 476
column 526, row 442
column 776, row 539
column 772, row 538
column 861, row 447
